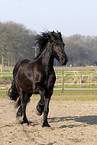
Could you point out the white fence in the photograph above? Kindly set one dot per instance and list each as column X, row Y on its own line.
column 63, row 80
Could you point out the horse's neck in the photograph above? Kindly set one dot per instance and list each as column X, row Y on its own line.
column 46, row 58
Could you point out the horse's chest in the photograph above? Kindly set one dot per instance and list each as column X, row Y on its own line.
column 50, row 79
column 46, row 78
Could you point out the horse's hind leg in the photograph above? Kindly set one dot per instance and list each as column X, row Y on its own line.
column 19, row 112
column 18, row 104
column 24, row 101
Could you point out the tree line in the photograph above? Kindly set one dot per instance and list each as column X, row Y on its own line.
column 16, row 42
column 81, row 50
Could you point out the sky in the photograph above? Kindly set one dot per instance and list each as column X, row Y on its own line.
column 67, row 16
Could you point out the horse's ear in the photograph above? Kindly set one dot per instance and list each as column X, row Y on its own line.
column 51, row 37
column 53, row 33
column 59, row 33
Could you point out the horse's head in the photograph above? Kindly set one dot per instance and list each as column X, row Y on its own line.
column 55, row 42
column 58, row 47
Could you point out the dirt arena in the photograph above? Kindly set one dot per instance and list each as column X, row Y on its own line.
column 72, row 122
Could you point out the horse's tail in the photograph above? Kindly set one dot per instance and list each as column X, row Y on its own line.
column 13, row 92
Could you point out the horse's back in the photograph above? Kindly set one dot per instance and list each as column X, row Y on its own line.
column 20, row 63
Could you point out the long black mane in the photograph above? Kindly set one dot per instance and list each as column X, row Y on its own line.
column 46, row 37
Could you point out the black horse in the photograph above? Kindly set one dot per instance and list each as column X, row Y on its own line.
column 38, row 76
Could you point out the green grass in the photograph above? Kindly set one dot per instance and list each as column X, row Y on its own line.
column 75, row 92
column 77, row 86
column 86, row 95
column 3, row 94
column 6, row 73
column 69, row 78
column 70, row 98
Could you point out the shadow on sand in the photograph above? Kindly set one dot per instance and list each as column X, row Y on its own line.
column 88, row 120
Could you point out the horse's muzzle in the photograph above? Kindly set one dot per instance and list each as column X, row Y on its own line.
column 63, row 60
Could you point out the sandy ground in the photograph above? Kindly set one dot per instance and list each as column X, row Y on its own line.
column 72, row 122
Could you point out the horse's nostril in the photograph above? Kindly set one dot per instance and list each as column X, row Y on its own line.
column 63, row 60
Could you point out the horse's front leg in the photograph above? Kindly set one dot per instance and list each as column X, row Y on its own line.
column 46, row 111
column 41, row 103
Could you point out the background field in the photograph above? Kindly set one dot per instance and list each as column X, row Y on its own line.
column 71, row 81
column 72, row 116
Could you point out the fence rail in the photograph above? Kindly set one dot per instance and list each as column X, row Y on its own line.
column 64, row 80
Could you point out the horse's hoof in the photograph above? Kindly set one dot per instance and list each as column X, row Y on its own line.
column 38, row 112
column 46, row 125
column 19, row 114
column 25, row 121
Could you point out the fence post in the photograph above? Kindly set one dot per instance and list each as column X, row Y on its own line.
column 1, row 67
column 62, row 81
column 80, row 80
column 2, row 61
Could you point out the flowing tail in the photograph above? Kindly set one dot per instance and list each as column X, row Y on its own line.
column 13, row 92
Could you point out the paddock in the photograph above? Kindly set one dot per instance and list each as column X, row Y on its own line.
column 72, row 122
column 72, row 116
